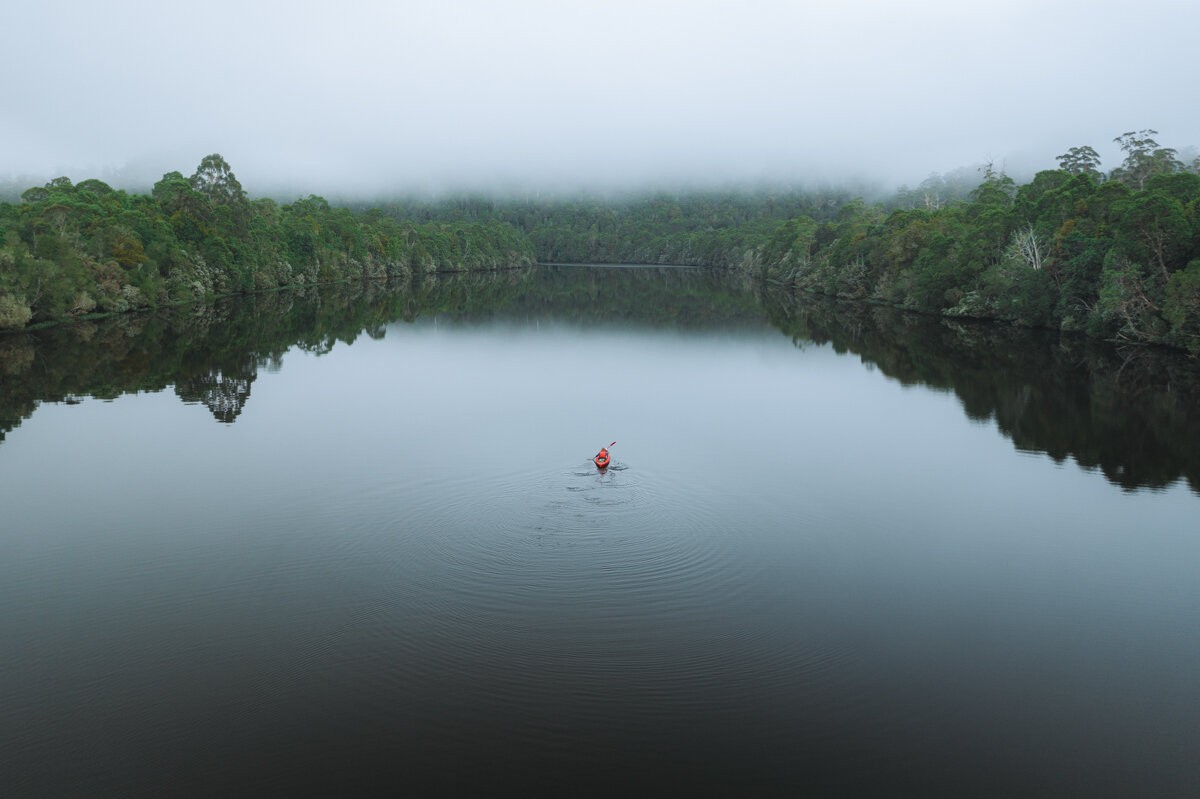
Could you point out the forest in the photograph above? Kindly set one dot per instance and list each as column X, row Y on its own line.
column 72, row 250
column 1115, row 254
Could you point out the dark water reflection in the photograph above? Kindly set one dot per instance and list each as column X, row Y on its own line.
column 1128, row 412
column 368, row 554
column 211, row 354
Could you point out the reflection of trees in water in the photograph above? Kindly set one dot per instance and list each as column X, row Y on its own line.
column 1127, row 413
column 212, row 353
column 18, row 398
column 671, row 297
column 222, row 392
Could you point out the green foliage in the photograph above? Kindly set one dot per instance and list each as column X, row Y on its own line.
column 1182, row 308
column 1144, row 158
column 1152, row 228
column 14, row 313
column 76, row 249
column 1080, row 161
column 1129, row 304
column 724, row 230
column 1072, row 249
column 1067, row 250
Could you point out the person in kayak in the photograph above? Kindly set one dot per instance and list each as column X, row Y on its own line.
column 602, row 457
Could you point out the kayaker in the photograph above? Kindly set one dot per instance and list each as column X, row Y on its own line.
column 601, row 459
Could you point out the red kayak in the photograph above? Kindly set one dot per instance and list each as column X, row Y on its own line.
column 602, row 458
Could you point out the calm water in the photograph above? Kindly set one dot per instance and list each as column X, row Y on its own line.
column 353, row 542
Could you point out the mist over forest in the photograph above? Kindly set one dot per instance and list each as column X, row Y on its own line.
column 1007, row 161
column 383, row 100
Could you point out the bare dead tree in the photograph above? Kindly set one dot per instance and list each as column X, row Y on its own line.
column 1029, row 247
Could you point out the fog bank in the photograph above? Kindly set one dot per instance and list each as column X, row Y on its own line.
column 382, row 98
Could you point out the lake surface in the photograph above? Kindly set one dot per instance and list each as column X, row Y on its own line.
column 352, row 541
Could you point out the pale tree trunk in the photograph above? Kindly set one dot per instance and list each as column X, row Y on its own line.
column 1029, row 247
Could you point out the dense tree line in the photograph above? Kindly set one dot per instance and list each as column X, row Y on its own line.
column 721, row 229
column 1114, row 255
column 69, row 250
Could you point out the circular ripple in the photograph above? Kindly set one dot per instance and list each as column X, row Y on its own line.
column 573, row 587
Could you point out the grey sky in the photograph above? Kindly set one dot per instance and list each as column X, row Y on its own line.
column 394, row 96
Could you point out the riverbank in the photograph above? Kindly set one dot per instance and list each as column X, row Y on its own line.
column 1115, row 257
column 72, row 250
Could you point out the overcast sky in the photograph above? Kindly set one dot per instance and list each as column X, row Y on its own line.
column 400, row 96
